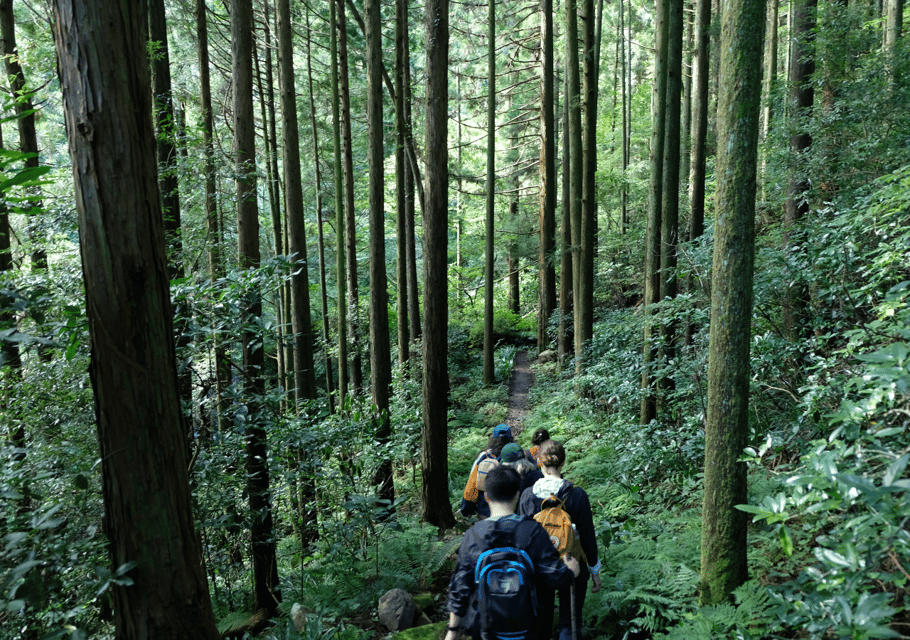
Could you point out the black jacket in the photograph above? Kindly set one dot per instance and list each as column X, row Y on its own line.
column 529, row 535
column 577, row 506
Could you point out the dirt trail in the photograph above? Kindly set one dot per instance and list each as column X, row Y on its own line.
column 520, row 383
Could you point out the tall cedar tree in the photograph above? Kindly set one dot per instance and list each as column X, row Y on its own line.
column 350, row 230
column 564, row 339
column 655, row 194
column 265, row 568
column 490, row 220
column 401, row 171
column 435, row 505
column 723, row 543
column 104, row 76
column 699, row 119
column 584, row 303
column 340, row 219
column 380, row 348
column 802, row 97
column 304, row 375
column 574, row 158
column 546, row 256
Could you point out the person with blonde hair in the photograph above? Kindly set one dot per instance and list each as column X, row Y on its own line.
column 553, row 488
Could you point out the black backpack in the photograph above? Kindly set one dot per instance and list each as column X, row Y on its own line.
column 506, row 596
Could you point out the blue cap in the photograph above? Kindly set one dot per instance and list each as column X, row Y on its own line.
column 503, row 431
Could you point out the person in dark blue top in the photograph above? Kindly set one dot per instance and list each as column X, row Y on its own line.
column 551, row 458
column 551, row 571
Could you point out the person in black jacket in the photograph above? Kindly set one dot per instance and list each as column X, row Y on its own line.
column 551, row 571
column 552, row 457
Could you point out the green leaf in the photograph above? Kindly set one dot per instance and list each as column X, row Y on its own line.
column 895, row 469
column 786, row 542
column 26, row 175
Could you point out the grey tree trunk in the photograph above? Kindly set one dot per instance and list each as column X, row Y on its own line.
column 723, row 548
column 104, row 76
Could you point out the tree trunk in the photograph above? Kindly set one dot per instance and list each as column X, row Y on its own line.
column 626, row 98
column 669, row 219
column 317, row 171
column 401, row 197
column 340, row 259
column 304, row 377
column 265, row 569
column 655, row 208
column 699, row 119
column 412, row 180
column 584, row 309
column 356, row 372
column 723, row 549
column 566, row 287
column 380, row 348
column 104, row 76
column 547, row 255
column 576, row 174
column 435, row 506
column 490, row 220
column 770, row 81
column 802, row 98
column 28, row 143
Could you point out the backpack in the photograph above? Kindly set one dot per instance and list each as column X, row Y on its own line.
column 506, row 595
column 558, row 525
column 483, row 468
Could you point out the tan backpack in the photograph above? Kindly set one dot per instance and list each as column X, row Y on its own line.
column 558, row 525
column 484, row 467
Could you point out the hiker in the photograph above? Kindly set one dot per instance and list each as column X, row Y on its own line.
column 517, row 554
column 540, row 436
column 574, row 501
column 514, row 456
column 473, row 500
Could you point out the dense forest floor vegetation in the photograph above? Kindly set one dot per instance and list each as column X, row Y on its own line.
column 828, row 545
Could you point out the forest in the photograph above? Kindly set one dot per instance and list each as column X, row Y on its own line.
column 266, row 269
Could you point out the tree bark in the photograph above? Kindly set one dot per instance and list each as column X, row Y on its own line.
column 435, row 505
column 265, row 569
column 699, row 119
column 380, row 348
column 655, row 209
column 340, row 259
column 104, row 76
column 584, row 309
column 802, row 98
column 576, row 174
column 723, row 549
column 401, row 196
column 547, row 255
column 356, row 365
column 490, row 220
column 565, row 340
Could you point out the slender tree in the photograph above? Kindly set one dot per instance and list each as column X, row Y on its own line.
column 547, row 254
column 435, row 506
column 574, row 155
column 655, row 208
column 699, row 119
column 401, row 196
column 802, row 98
column 566, row 287
column 265, row 568
column 723, row 548
column 350, row 231
column 340, row 218
column 104, row 76
column 584, row 302
column 490, row 219
column 380, row 349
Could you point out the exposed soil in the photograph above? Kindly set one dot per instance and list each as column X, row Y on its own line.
column 520, row 383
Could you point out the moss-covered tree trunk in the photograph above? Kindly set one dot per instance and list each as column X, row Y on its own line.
column 723, row 547
column 104, row 76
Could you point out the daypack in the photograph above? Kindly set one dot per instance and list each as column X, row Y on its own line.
column 484, row 467
column 558, row 525
column 506, row 595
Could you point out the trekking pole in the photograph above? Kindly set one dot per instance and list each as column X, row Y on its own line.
column 572, row 605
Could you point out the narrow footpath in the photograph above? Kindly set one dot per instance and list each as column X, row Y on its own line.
column 519, row 385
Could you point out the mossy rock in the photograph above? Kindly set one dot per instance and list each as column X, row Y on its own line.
column 433, row 631
column 425, row 601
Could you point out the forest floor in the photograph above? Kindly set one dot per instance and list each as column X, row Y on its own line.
column 519, row 385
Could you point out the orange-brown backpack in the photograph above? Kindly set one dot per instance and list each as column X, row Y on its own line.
column 558, row 525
